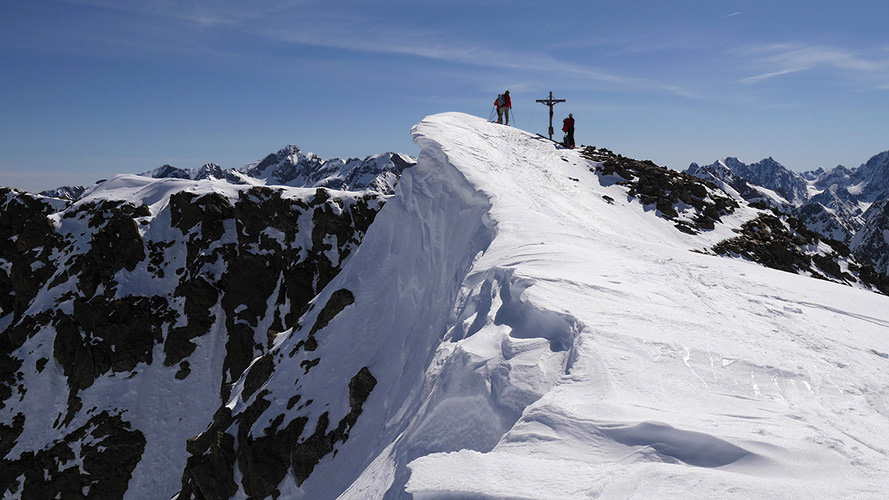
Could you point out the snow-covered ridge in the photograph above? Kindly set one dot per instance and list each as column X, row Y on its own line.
column 663, row 388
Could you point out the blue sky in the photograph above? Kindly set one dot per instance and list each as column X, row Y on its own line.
column 92, row 88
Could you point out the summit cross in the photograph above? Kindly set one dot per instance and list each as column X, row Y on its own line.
column 550, row 102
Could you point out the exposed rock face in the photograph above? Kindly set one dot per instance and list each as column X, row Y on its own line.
column 871, row 243
column 29, row 240
column 69, row 193
column 789, row 246
column 767, row 173
column 825, row 221
column 106, row 288
column 263, row 461
column 872, row 178
column 691, row 203
column 772, row 175
column 721, row 175
column 94, row 461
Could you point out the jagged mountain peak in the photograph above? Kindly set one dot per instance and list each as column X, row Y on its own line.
column 766, row 173
column 289, row 166
column 838, row 176
column 731, row 162
column 832, row 202
column 71, row 193
column 207, row 171
column 878, row 161
column 873, row 177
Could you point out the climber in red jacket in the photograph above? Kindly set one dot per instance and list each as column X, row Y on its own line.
column 503, row 104
column 568, row 128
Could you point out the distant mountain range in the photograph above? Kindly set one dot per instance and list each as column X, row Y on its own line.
column 848, row 205
column 288, row 167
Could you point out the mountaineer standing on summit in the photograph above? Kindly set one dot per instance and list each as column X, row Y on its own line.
column 568, row 128
column 503, row 104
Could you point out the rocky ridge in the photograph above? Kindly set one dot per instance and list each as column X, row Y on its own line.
column 773, row 239
column 692, row 204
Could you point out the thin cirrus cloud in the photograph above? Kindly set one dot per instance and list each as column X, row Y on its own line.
column 224, row 12
column 128, row 25
column 766, row 76
column 323, row 31
column 787, row 58
column 457, row 52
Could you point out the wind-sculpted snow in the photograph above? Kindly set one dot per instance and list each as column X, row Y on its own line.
column 673, row 374
column 395, row 295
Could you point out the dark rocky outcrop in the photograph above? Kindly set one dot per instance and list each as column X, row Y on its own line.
column 306, row 455
column 265, row 460
column 871, row 243
column 785, row 243
column 691, row 203
column 107, row 448
column 27, row 241
column 337, row 302
column 768, row 241
column 101, row 336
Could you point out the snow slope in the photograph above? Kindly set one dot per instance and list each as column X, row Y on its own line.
column 575, row 348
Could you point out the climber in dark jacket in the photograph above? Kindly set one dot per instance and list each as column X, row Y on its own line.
column 568, row 128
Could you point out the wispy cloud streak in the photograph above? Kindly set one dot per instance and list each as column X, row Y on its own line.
column 418, row 44
column 313, row 23
column 789, row 58
column 766, row 76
